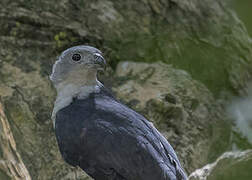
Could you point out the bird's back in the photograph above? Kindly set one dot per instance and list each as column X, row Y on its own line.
column 110, row 141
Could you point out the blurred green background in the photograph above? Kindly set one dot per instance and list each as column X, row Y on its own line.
column 244, row 11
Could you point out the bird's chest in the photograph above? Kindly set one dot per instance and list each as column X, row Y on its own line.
column 71, row 136
column 77, row 137
column 71, row 133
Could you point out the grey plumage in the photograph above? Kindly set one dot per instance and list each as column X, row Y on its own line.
column 105, row 138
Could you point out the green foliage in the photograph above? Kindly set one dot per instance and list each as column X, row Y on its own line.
column 222, row 141
column 243, row 9
column 240, row 141
column 15, row 29
column 62, row 39
column 233, row 169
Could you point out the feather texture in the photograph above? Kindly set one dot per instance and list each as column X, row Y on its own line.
column 110, row 141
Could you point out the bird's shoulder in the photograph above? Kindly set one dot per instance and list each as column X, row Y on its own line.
column 97, row 106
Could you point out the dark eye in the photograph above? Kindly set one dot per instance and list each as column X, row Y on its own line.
column 76, row 57
column 96, row 56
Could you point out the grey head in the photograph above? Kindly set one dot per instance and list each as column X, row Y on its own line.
column 74, row 75
column 76, row 63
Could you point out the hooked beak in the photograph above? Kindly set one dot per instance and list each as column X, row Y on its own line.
column 100, row 61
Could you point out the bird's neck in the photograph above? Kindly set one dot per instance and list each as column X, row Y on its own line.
column 74, row 88
column 79, row 84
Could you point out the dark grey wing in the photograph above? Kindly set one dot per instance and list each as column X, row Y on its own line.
column 130, row 145
column 169, row 152
column 110, row 141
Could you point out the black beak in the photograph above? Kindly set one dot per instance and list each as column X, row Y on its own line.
column 99, row 60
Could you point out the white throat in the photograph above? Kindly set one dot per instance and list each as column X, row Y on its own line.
column 67, row 91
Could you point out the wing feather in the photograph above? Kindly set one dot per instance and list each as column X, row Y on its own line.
column 108, row 140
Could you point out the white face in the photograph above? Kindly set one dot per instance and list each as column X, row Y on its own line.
column 75, row 61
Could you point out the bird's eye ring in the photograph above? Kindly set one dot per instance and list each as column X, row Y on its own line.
column 76, row 57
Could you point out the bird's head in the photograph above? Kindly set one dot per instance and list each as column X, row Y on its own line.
column 77, row 65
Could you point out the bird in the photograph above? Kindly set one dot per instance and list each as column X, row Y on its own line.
column 98, row 133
